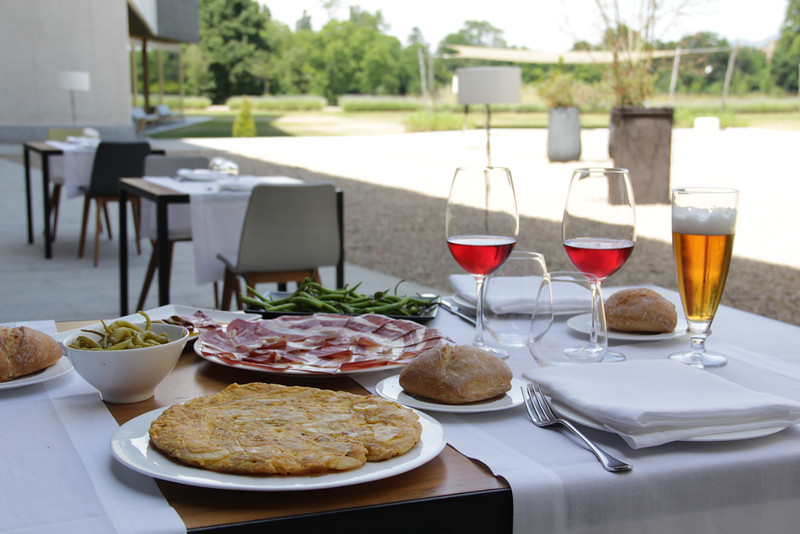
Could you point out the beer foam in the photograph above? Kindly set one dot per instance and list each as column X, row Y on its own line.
column 699, row 221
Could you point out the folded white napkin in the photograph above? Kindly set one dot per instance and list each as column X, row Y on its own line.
column 199, row 174
column 83, row 141
column 247, row 183
column 650, row 402
column 506, row 296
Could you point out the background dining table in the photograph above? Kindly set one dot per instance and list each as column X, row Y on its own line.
column 71, row 160
column 215, row 216
column 499, row 472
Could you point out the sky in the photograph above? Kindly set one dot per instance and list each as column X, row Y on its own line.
column 549, row 25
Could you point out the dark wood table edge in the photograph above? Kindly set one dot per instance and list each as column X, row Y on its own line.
column 488, row 511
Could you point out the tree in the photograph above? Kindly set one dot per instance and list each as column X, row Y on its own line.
column 786, row 59
column 230, row 34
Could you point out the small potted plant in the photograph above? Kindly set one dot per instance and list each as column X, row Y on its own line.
column 560, row 90
column 640, row 137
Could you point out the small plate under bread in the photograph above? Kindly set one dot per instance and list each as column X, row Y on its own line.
column 390, row 388
column 581, row 324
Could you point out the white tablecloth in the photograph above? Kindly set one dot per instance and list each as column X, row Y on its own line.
column 214, row 219
column 558, row 486
column 74, row 168
column 56, row 470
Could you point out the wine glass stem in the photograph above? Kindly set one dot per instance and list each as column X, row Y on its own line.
column 479, row 283
column 593, row 332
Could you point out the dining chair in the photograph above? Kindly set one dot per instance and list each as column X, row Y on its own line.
column 112, row 161
column 58, row 134
column 289, row 231
column 163, row 165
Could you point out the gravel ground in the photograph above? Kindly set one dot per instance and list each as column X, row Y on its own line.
column 400, row 232
column 394, row 216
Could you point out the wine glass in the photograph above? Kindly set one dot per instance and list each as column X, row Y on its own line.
column 703, row 228
column 598, row 229
column 481, row 226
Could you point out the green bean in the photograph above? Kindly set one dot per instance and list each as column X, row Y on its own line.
column 311, row 296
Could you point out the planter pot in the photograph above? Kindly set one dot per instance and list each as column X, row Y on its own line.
column 640, row 140
column 564, row 134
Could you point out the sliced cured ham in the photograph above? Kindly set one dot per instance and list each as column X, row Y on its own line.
column 319, row 343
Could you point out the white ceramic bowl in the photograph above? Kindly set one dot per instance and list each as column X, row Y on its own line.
column 128, row 375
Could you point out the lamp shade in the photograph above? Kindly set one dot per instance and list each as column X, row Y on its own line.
column 74, row 80
column 489, row 85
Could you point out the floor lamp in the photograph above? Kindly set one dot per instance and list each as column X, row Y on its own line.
column 73, row 80
column 488, row 85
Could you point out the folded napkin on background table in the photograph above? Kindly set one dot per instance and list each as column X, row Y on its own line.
column 199, row 174
column 506, row 297
column 650, row 402
column 247, row 183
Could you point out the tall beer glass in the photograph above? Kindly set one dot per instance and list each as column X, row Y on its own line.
column 703, row 227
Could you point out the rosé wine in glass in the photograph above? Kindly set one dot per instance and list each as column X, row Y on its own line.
column 598, row 229
column 481, row 226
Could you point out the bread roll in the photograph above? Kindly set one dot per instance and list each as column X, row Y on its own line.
column 640, row 310
column 24, row 351
column 456, row 375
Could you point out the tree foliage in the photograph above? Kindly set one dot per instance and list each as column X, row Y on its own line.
column 243, row 51
column 230, row 35
column 786, row 59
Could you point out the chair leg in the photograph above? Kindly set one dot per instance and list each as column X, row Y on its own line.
column 228, row 289
column 216, row 294
column 82, row 244
column 55, row 202
column 101, row 207
column 151, row 271
column 108, row 219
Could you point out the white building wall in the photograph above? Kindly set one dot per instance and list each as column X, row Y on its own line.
column 40, row 38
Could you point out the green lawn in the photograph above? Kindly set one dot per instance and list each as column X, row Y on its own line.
column 333, row 122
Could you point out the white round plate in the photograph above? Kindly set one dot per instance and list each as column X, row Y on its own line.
column 390, row 388
column 580, row 323
column 130, row 445
column 198, row 349
column 61, row 367
column 576, row 417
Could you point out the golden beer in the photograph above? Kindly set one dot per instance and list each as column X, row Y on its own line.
column 703, row 226
column 702, row 263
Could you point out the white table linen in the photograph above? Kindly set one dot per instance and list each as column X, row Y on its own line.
column 506, row 300
column 215, row 218
column 56, row 470
column 74, row 167
column 728, row 486
column 652, row 402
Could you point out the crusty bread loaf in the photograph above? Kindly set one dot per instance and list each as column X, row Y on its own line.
column 24, row 351
column 640, row 310
column 456, row 375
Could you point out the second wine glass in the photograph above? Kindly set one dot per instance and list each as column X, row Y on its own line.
column 481, row 227
column 598, row 229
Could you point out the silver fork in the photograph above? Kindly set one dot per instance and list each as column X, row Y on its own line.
column 542, row 415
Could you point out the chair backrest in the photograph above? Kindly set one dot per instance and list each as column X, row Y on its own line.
column 290, row 227
column 163, row 110
column 161, row 165
column 115, row 160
